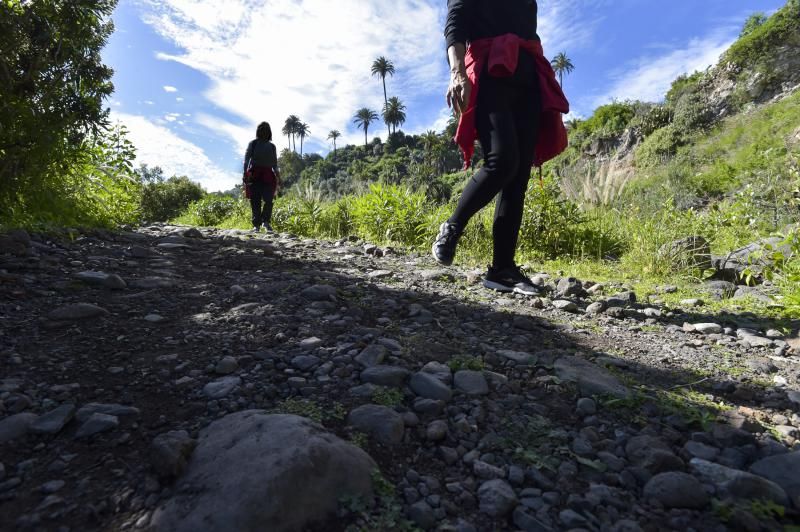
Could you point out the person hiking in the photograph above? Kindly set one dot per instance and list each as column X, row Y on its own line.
column 261, row 176
column 506, row 95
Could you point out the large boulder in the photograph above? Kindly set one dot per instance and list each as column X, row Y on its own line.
column 253, row 471
column 753, row 257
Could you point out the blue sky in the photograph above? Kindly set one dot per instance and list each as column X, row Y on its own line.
column 194, row 77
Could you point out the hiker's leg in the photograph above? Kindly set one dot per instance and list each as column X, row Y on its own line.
column 511, row 201
column 266, row 214
column 497, row 132
column 256, row 191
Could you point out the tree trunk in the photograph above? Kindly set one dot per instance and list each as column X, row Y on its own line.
column 385, row 100
column 365, row 137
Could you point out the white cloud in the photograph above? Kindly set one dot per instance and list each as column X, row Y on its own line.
column 158, row 146
column 566, row 25
column 149, row 102
column 170, row 88
column 171, row 117
column 178, row 99
column 649, row 77
column 310, row 58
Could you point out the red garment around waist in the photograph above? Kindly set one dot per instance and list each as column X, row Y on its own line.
column 263, row 174
column 502, row 55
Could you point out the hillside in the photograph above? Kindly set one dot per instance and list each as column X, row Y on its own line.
column 700, row 143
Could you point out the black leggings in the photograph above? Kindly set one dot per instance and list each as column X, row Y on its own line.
column 507, row 118
column 261, row 191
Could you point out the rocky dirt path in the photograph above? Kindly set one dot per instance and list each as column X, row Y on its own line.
column 164, row 379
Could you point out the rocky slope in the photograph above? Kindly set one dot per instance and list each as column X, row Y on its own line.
column 182, row 379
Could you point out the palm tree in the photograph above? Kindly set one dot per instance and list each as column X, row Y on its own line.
column 394, row 113
column 333, row 135
column 561, row 64
column 363, row 118
column 380, row 67
column 302, row 131
column 290, row 129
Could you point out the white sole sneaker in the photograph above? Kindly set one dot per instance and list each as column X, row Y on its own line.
column 509, row 289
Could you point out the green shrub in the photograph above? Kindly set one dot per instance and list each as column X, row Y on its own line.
column 164, row 200
column 757, row 44
column 390, row 213
column 210, row 211
column 658, row 147
column 609, row 120
column 682, row 85
column 655, row 118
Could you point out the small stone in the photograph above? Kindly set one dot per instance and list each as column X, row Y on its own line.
column 519, row 357
column 154, row 318
column 586, row 407
column 596, row 308
column 305, row 362
column 221, row 387
column 226, row 366
column 310, row 343
column 77, row 311
column 372, row 355
column 496, row 498
column 428, row 386
column 96, row 424
column 708, row 328
column 565, row 306
column 382, row 423
column 385, row 375
column 53, row 421
column 16, row 426
column 422, row 514
column 486, row 471
column 674, row 489
column 170, row 452
column 471, row 382
column 692, row 302
column 87, row 410
column 436, row 431
column 52, row 486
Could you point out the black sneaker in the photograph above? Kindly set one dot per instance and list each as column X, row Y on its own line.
column 444, row 247
column 510, row 279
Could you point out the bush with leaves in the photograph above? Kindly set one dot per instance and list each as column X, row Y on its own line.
column 211, row 210
column 52, row 86
column 163, row 200
column 391, row 213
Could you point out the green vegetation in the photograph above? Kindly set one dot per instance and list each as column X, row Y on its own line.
column 165, row 199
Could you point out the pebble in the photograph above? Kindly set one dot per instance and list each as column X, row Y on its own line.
column 426, row 385
column 380, row 422
column 97, row 423
column 53, row 421
column 674, row 489
column 471, row 382
column 497, row 498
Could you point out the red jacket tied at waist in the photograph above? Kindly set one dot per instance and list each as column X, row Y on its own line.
column 502, row 53
column 263, row 174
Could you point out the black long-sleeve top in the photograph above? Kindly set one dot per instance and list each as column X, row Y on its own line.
column 470, row 20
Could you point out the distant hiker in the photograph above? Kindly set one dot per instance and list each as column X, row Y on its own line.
column 261, row 176
column 507, row 96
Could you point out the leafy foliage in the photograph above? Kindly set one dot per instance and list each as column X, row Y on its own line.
column 52, row 138
column 165, row 199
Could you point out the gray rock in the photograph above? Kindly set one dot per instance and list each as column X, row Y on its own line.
column 441, row 371
column 372, row 355
column 564, row 305
column 77, row 311
column 497, row 498
column 586, row 407
column 783, row 470
column 486, row 471
column 428, row 386
column 87, row 410
column 436, row 430
column 676, row 490
column 591, row 379
column 382, row 423
column 253, row 472
column 221, row 387
column 527, row 522
column 226, row 366
column 692, row 302
column 596, row 308
column 708, row 328
column 112, row 281
column 305, row 362
column 53, row 421
column 96, row 424
column 170, row 452
column 422, row 514
column 471, row 382
column 570, row 287
column 319, row 292
column 518, row 357
column 16, row 426
column 572, row 519
column 696, row 449
column 385, row 375
column 623, row 299
column 738, row 484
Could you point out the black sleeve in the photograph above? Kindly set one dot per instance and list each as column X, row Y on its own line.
column 274, row 157
column 248, row 155
column 455, row 29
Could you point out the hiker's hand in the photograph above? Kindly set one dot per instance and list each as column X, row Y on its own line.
column 459, row 91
